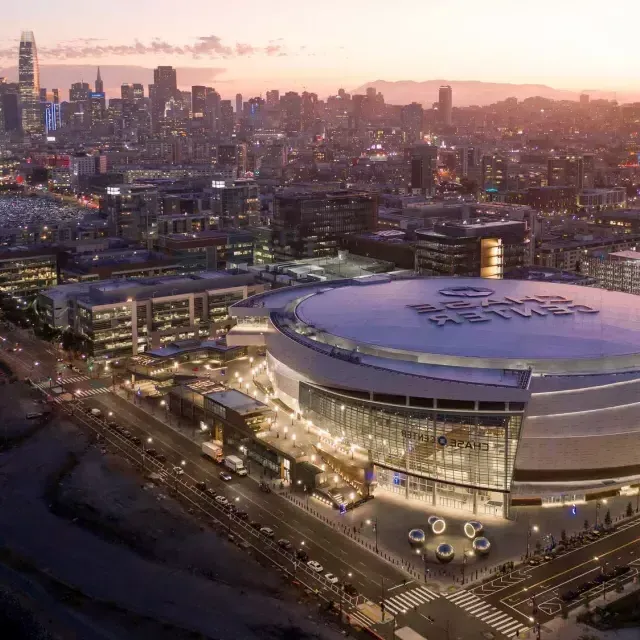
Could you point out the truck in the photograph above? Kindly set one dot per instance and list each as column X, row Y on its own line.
column 212, row 450
column 235, row 464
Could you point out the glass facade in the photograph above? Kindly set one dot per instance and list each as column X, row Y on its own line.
column 456, row 458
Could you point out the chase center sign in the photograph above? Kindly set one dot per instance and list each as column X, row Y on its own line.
column 476, row 304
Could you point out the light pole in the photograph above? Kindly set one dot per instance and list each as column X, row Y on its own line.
column 602, row 566
column 599, row 503
column 342, row 591
column 144, row 449
column 374, row 523
column 465, row 556
column 530, row 530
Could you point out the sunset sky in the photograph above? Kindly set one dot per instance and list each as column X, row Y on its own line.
column 574, row 44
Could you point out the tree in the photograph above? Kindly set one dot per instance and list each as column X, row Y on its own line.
column 607, row 518
column 586, row 525
column 629, row 510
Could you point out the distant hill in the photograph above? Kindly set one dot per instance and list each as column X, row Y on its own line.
column 61, row 76
column 466, row 93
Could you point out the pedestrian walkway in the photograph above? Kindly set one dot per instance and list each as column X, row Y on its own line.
column 499, row 620
column 73, row 379
column 359, row 619
column 45, row 383
column 403, row 602
column 86, row 393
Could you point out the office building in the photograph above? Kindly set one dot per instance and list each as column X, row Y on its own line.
column 571, row 171
column 226, row 119
column 424, row 164
column 132, row 211
column 273, row 99
column 238, row 105
column 495, row 169
column 412, row 122
column 26, row 272
column 79, row 92
column 484, row 248
column 463, row 393
column 99, row 84
column 309, row 224
column 236, row 202
column 199, row 101
column 291, row 108
column 29, row 80
column 125, row 317
column 165, row 92
column 616, row 271
column 445, row 105
column 210, row 250
column 126, row 92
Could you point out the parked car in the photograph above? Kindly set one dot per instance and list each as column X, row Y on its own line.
column 136, row 440
column 179, row 471
column 283, row 543
column 267, row 531
column 569, row 596
column 201, row 486
column 331, row 578
column 212, row 493
column 161, row 458
column 255, row 525
column 243, row 515
column 221, row 500
column 350, row 590
column 152, row 453
column 302, row 555
column 315, row 566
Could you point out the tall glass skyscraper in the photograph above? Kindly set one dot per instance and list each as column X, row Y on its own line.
column 29, row 78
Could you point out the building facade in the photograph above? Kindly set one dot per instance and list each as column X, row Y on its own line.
column 464, row 393
column 29, row 79
column 484, row 248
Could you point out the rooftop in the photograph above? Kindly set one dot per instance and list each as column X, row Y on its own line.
column 237, row 401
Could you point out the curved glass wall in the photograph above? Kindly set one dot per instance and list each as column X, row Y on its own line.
column 425, row 451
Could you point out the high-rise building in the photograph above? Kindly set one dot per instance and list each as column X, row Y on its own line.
column 273, row 99
column 424, row 163
column 165, row 90
column 126, row 92
column 617, row 271
column 308, row 110
column 226, row 119
column 29, row 79
column 485, row 248
column 99, row 83
column 291, row 105
column 308, row 224
column 79, row 92
column 494, row 172
column 445, row 105
column 411, row 117
column 198, row 101
column 138, row 91
column 238, row 105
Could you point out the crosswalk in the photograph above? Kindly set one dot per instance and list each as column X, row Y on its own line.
column 408, row 600
column 358, row 618
column 74, row 379
column 86, row 393
column 499, row 620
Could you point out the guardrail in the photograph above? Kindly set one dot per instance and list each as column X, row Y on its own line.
column 196, row 497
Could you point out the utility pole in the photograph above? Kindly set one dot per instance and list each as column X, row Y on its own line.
column 382, row 601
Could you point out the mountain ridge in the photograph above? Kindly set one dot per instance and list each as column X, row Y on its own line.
column 476, row 92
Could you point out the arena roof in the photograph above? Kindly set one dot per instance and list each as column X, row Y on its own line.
column 477, row 318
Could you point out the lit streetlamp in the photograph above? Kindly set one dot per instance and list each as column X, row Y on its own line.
column 531, row 530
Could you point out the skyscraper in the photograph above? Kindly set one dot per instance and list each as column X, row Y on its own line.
column 29, row 79
column 165, row 88
column 445, row 105
column 238, row 105
column 198, row 101
column 99, row 83
column 424, row 164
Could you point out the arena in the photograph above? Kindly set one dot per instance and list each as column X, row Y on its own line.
column 465, row 393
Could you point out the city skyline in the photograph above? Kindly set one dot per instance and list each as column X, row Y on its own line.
column 283, row 49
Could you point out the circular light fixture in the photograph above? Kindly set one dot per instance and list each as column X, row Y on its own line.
column 445, row 553
column 416, row 537
column 438, row 526
column 481, row 546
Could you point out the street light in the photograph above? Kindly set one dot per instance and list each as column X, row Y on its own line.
column 374, row 523
column 599, row 503
column 530, row 530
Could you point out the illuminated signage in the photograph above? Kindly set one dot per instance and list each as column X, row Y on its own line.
column 472, row 309
column 113, row 191
column 443, row 441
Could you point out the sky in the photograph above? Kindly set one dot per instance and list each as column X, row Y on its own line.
column 325, row 44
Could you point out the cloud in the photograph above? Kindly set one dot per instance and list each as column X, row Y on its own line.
column 204, row 47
